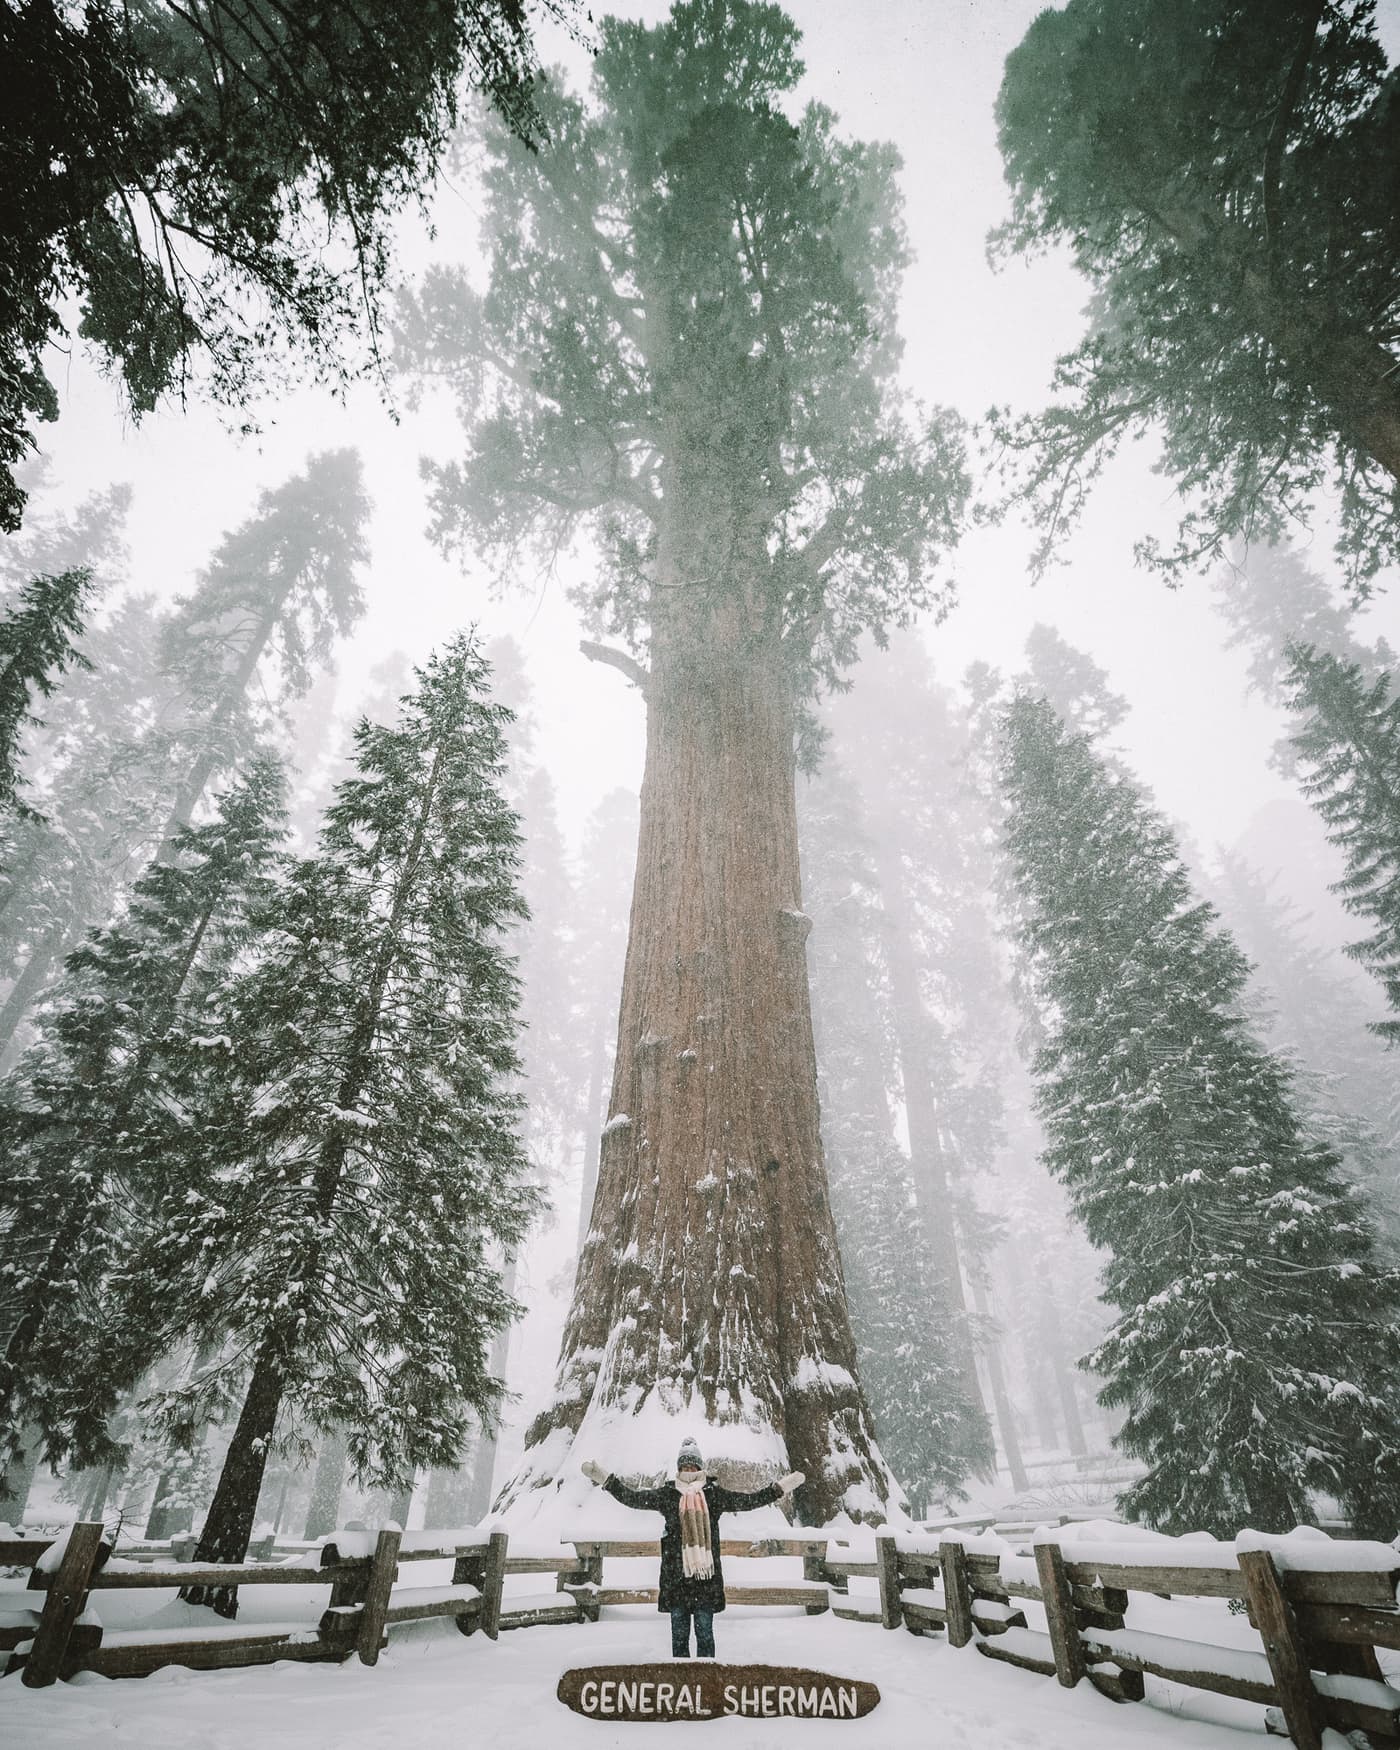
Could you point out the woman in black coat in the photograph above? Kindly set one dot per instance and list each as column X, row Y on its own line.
column 692, row 1579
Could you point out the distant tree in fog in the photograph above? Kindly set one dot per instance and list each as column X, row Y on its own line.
column 1349, row 748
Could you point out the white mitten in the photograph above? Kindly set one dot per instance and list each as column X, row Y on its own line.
column 793, row 1480
column 594, row 1471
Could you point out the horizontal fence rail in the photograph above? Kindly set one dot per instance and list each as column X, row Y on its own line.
column 369, row 1594
column 1321, row 1611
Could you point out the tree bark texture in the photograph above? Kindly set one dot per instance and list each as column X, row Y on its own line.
column 233, row 1511
column 710, row 1276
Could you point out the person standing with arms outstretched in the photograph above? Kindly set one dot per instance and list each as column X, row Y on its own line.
column 692, row 1580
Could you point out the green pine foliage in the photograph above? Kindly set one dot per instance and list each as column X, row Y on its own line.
column 38, row 641
column 333, row 1231
column 92, row 1111
column 1222, row 172
column 1350, row 749
column 1254, row 1346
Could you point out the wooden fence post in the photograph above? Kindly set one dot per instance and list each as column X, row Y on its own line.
column 495, row 1584
column 957, row 1592
column 1288, row 1658
column 887, row 1560
column 1060, row 1616
column 384, row 1570
column 67, row 1593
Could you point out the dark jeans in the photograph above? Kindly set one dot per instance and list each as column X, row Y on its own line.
column 704, row 1632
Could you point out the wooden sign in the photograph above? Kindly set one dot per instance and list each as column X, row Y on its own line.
column 684, row 1690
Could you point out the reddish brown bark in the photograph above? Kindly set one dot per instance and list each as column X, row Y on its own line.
column 711, row 1259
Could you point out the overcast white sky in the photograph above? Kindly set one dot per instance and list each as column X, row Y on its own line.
column 923, row 73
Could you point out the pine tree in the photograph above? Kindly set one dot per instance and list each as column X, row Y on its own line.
column 353, row 1154
column 1350, row 749
column 38, row 641
column 1255, row 1342
column 90, row 1114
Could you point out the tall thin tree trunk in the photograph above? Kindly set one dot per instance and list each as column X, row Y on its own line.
column 228, row 1526
column 1001, row 1401
column 1064, row 1379
column 592, row 1136
column 207, row 761
column 27, row 986
column 99, row 1487
column 18, row 1476
column 401, row 1505
column 484, row 1461
column 323, row 1510
column 931, row 1187
column 710, row 1276
column 448, row 1502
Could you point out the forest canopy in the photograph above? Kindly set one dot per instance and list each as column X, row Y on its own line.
column 213, row 183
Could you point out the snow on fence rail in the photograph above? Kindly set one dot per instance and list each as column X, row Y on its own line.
column 1322, row 1608
column 364, row 1571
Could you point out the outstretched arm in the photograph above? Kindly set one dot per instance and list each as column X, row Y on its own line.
column 647, row 1500
column 739, row 1501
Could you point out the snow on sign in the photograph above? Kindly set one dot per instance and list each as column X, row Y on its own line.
column 707, row 1691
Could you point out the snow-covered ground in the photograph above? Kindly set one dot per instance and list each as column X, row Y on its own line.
column 433, row 1690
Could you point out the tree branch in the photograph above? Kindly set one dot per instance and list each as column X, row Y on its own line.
column 618, row 659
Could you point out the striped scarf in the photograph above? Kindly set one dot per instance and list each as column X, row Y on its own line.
column 697, row 1560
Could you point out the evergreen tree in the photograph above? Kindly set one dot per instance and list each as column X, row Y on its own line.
column 931, row 1433
column 91, row 1114
column 1255, row 1342
column 353, row 1154
column 604, row 899
column 277, row 593
column 176, row 701
column 1350, row 749
column 1272, row 600
column 1310, row 1006
column 38, row 641
column 898, row 732
column 249, row 130
column 1224, row 172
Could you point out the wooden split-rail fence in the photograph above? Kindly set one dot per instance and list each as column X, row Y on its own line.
column 1321, row 1610
column 369, row 1593
column 1320, row 1625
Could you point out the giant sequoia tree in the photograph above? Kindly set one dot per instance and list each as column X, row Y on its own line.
column 687, row 344
column 1226, row 173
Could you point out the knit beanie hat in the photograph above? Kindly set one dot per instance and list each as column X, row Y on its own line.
column 689, row 1456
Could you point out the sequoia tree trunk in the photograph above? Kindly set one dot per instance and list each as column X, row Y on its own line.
column 710, row 1282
